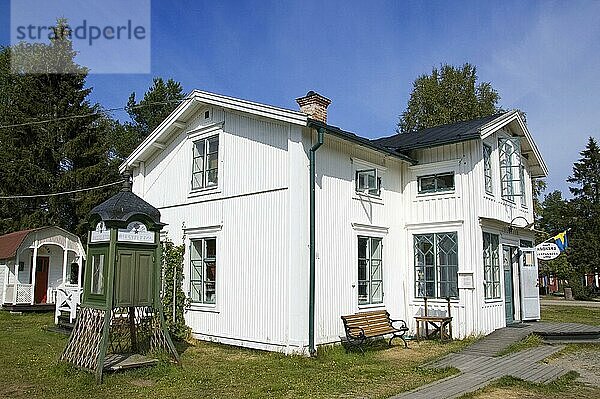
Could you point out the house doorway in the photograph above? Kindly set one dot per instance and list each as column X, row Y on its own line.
column 510, row 255
column 528, row 276
column 41, row 280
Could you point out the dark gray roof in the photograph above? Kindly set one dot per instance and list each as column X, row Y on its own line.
column 437, row 135
column 122, row 207
column 359, row 140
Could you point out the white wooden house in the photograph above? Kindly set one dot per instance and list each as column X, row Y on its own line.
column 40, row 268
column 438, row 213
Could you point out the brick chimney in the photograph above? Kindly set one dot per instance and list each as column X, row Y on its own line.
column 314, row 105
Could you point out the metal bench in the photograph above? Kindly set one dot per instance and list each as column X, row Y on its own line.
column 362, row 326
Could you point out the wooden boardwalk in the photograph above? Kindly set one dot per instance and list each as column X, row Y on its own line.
column 480, row 365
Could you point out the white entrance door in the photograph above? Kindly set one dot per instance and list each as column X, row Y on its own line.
column 530, row 293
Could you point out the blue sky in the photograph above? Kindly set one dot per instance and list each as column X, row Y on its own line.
column 543, row 57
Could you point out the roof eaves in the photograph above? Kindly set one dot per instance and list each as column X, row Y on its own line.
column 265, row 110
column 507, row 118
column 336, row 131
column 198, row 97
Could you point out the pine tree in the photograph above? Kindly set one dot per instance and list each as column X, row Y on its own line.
column 68, row 151
column 450, row 94
column 158, row 102
column 585, row 234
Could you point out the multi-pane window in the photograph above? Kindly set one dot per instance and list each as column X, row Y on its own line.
column 436, row 265
column 367, row 181
column 491, row 265
column 205, row 162
column 203, row 268
column 522, row 182
column 370, row 270
column 487, row 168
column 436, row 183
column 511, row 180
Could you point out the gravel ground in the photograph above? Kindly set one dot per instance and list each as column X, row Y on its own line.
column 586, row 362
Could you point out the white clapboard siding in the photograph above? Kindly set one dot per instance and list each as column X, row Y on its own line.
column 250, row 210
column 338, row 208
column 259, row 213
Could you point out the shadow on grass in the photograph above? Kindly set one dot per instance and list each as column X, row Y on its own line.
column 370, row 345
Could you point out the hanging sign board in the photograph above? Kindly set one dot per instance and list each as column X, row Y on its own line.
column 100, row 234
column 136, row 232
column 547, row 251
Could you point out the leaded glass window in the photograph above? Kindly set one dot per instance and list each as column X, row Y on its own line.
column 203, row 268
column 370, row 270
column 491, row 265
column 512, row 183
column 205, row 164
column 436, row 265
column 487, row 168
column 522, row 182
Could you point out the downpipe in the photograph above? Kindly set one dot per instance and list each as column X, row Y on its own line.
column 311, row 295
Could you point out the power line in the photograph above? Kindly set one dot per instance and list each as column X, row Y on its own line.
column 62, row 118
column 61, row 193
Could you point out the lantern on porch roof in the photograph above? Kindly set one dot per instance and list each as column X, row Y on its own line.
column 121, row 318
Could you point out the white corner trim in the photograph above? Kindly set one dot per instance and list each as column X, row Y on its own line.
column 195, row 231
column 367, row 228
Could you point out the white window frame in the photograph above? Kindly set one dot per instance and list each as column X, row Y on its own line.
column 369, row 189
column 369, row 260
column 203, row 281
column 196, row 234
column 363, row 167
column 436, row 190
column 205, row 184
column 437, row 267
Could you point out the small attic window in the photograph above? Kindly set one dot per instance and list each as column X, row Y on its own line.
column 206, row 114
column 368, row 182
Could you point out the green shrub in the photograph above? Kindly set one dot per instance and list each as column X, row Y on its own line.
column 173, row 298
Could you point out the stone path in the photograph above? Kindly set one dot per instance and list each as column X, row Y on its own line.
column 479, row 366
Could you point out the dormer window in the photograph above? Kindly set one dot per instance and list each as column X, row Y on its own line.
column 368, row 182
column 440, row 182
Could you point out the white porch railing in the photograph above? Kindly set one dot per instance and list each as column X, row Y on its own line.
column 68, row 297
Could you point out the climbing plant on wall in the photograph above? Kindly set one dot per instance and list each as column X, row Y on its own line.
column 173, row 297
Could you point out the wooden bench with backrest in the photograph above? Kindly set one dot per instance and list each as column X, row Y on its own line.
column 362, row 326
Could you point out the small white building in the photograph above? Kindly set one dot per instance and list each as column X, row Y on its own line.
column 445, row 212
column 38, row 267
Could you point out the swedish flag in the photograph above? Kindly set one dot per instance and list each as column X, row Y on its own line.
column 561, row 241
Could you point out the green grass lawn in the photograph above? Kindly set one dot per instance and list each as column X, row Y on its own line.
column 571, row 314
column 29, row 369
